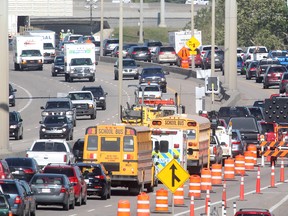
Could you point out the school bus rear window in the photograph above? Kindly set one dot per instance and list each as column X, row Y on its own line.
column 128, row 144
column 110, row 144
column 164, row 146
column 92, row 143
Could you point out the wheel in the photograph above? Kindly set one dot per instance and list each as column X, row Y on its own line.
column 257, row 80
column 109, row 193
column 21, row 136
column 54, row 74
column 164, row 90
column 79, row 201
column 265, row 86
column 93, row 116
column 92, row 79
column 17, row 136
column 105, row 195
column 66, row 206
column 150, row 189
column 72, row 205
column 84, row 200
column 13, row 104
column 104, row 107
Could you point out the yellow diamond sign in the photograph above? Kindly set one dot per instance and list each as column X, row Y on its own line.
column 173, row 175
column 193, row 43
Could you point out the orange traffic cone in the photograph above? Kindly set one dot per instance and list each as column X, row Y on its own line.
column 207, row 201
column 192, row 206
column 272, row 184
column 242, row 189
column 282, row 178
column 123, row 208
column 143, row 205
column 224, row 194
column 258, row 182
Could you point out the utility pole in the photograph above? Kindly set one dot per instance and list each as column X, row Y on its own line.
column 90, row 4
column 101, row 27
column 226, row 42
column 120, row 81
column 192, row 34
column 213, row 40
column 162, row 14
column 4, row 81
column 141, row 22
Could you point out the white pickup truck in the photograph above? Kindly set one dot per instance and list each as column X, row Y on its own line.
column 46, row 151
column 255, row 53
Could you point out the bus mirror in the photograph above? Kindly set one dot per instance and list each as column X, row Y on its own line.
column 157, row 146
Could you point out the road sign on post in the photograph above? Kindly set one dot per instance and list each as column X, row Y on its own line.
column 173, row 175
column 212, row 85
column 193, row 43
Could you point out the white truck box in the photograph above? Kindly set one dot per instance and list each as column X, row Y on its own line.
column 79, row 61
column 28, row 52
column 48, row 43
column 179, row 39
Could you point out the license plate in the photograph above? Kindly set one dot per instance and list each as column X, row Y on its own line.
column 46, row 190
column 16, row 172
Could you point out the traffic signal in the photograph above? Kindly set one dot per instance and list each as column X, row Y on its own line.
column 276, row 110
column 212, row 85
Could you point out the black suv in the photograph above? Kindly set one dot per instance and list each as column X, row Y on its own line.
column 109, row 45
column 56, row 126
column 15, row 125
column 60, row 106
column 219, row 59
column 99, row 95
column 12, row 95
column 78, row 150
column 154, row 75
column 58, row 66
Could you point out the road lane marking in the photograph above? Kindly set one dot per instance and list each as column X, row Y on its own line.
column 107, row 206
column 29, row 95
column 279, row 204
column 90, row 210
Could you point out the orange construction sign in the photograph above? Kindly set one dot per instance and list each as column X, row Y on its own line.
column 184, row 53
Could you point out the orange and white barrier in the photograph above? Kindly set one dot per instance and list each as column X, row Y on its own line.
column 216, row 174
column 249, row 160
column 229, row 169
column 162, row 201
column 123, row 208
column 195, row 186
column 253, row 149
column 179, row 197
column 240, row 165
column 206, row 179
column 143, row 205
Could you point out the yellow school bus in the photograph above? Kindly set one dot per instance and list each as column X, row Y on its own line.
column 125, row 150
column 196, row 154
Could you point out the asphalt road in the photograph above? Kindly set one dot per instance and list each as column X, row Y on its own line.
column 40, row 83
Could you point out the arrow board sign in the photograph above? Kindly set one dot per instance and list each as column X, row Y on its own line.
column 173, row 175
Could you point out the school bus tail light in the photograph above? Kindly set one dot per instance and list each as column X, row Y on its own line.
column 176, row 145
column 128, row 157
column 192, row 144
column 156, row 122
column 92, row 156
column 191, row 124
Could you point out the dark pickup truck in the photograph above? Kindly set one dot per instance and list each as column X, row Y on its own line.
column 248, row 128
column 60, row 106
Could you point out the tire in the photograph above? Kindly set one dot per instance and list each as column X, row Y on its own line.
column 150, row 189
column 164, row 90
column 54, row 74
column 93, row 116
column 104, row 107
column 105, row 195
column 79, row 201
column 13, row 104
column 92, row 79
column 66, row 206
column 21, row 137
column 17, row 137
column 72, row 205
column 84, row 200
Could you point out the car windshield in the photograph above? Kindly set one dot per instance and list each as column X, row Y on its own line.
column 55, row 120
column 73, row 38
column 29, row 53
column 19, row 162
column 8, row 188
column 233, row 111
column 277, row 69
column 45, row 179
column 95, row 91
column 59, row 61
column 81, row 61
column 154, row 71
column 267, row 62
column 150, row 88
column 256, row 112
column 258, row 50
column 58, row 170
column 80, row 96
column 48, row 46
column 244, row 124
column 153, row 44
column 12, row 117
column 129, row 63
column 56, row 104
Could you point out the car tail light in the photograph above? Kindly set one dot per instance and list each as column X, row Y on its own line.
column 100, row 177
column 269, row 75
column 65, row 158
column 161, row 53
column 73, row 180
column 174, row 53
column 28, row 171
column 63, row 190
column 176, row 145
column 133, row 53
column 236, row 143
column 17, row 200
column 214, row 150
column 243, row 64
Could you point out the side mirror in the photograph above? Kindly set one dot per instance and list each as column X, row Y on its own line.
column 14, row 90
column 42, row 108
column 166, row 72
column 20, row 120
column 40, row 122
column 223, row 143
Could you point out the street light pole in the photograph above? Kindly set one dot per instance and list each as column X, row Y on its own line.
column 101, row 28
column 91, row 31
column 89, row 5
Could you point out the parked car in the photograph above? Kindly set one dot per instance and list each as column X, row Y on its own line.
column 273, row 75
column 108, row 45
column 262, row 66
column 98, row 179
column 251, row 69
column 164, row 54
column 15, row 125
column 283, row 85
column 56, row 126
column 5, row 209
column 154, row 75
column 18, row 199
column 30, row 196
column 253, row 212
column 78, row 149
column 140, row 53
column 53, row 189
column 58, row 65
column 238, row 145
column 219, row 59
column 74, row 174
column 130, row 69
column 23, row 168
column 4, row 170
column 99, row 95
column 12, row 91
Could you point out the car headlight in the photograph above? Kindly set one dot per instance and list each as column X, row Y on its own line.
column 11, row 96
column 163, row 79
column 142, row 80
column 43, row 129
column 91, row 106
column 101, row 98
column 56, row 70
column 13, row 126
column 69, row 113
column 45, row 113
column 64, row 129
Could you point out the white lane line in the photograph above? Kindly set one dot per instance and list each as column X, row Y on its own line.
column 29, row 95
column 73, row 215
column 90, row 210
column 279, row 204
column 107, row 206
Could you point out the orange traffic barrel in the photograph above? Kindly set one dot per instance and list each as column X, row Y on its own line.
column 206, row 179
column 185, row 63
column 123, row 208
column 253, row 149
column 229, row 169
column 178, row 197
column 239, row 165
column 216, row 174
column 162, row 201
column 249, row 160
column 195, row 186
column 143, row 205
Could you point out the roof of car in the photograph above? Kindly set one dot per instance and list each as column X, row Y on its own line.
column 59, row 99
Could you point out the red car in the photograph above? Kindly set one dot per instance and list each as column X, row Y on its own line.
column 253, row 212
column 273, row 75
column 283, row 83
column 251, row 70
column 74, row 174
